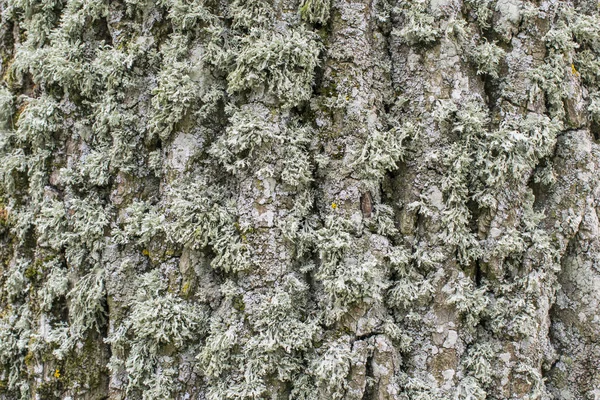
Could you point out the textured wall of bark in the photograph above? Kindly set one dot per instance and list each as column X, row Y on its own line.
column 264, row 199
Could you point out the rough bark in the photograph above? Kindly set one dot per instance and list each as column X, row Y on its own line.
column 255, row 199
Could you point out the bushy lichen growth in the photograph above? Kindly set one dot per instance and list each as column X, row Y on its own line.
column 419, row 25
column 346, row 280
column 255, row 131
column 174, row 96
column 305, row 200
column 483, row 11
column 273, row 339
column 487, row 56
column 281, row 64
column 315, row 11
column 157, row 325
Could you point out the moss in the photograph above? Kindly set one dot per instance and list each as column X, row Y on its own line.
column 32, row 273
column 238, row 303
column 48, row 390
column 3, row 216
column 94, row 376
column 169, row 252
column 29, row 359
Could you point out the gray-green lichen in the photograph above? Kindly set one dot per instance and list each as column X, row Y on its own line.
column 299, row 199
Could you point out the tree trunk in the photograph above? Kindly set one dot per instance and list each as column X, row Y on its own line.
column 386, row 199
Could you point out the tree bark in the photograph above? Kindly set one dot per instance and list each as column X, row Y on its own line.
column 254, row 199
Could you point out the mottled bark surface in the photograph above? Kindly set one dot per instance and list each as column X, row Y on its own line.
column 257, row 199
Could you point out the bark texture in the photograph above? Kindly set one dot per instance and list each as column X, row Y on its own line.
column 331, row 199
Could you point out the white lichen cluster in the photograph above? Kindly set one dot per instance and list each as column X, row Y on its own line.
column 419, row 24
column 157, row 326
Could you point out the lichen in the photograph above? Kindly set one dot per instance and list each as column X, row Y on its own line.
column 303, row 200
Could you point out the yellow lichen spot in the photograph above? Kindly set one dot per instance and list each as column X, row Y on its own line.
column 185, row 290
column 57, row 373
column 145, row 252
column 334, row 205
column 574, row 70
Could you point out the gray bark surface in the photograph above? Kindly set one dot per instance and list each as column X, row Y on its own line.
column 256, row 199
